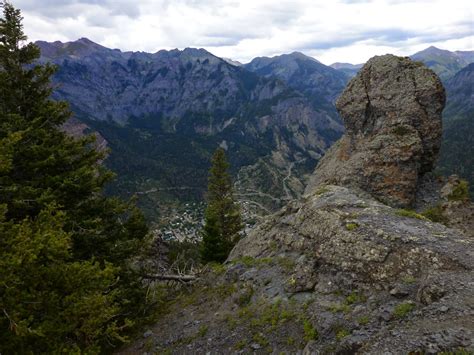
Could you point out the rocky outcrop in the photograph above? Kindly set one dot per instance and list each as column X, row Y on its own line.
column 337, row 227
column 392, row 114
column 335, row 273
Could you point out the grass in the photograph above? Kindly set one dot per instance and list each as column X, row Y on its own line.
column 355, row 297
column 435, row 214
column 402, row 309
column 410, row 214
column 363, row 320
column 241, row 344
column 310, row 332
column 351, row 226
column 408, row 279
column 285, row 263
column 339, row 307
column 260, row 339
column 342, row 333
column 269, row 321
column 216, row 268
column 345, row 307
column 202, row 331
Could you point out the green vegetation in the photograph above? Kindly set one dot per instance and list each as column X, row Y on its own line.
column 345, row 307
column 351, row 226
column 259, row 338
column 285, row 263
column 65, row 248
column 402, row 309
column 310, row 332
column 363, row 320
column 241, row 344
column 408, row 279
column 202, row 331
column 435, row 214
column 342, row 333
column 222, row 219
column 410, row 214
column 355, row 297
column 460, row 192
column 339, row 307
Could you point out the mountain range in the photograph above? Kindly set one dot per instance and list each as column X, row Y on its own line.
column 163, row 114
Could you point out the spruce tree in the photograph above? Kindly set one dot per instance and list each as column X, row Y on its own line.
column 65, row 247
column 223, row 221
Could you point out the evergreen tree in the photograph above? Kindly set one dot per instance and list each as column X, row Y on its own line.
column 223, row 221
column 65, row 248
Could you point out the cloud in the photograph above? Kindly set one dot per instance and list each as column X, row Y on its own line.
column 338, row 30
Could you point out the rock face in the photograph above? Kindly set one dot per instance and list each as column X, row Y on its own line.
column 392, row 114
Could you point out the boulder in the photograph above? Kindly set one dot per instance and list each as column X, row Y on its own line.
column 392, row 114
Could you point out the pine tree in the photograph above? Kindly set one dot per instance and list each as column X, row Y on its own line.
column 223, row 221
column 65, row 248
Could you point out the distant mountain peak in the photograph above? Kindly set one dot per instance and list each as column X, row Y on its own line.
column 232, row 62
column 85, row 40
column 80, row 47
column 340, row 65
column 445, row 63
column 300, row 55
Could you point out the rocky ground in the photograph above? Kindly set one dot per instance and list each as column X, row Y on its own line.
column 336, row 273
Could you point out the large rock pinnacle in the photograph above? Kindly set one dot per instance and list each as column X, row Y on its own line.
column 392, row 114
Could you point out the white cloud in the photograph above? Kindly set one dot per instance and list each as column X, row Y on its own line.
column 337, row 30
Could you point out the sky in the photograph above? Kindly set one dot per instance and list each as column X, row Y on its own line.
column 331, row 30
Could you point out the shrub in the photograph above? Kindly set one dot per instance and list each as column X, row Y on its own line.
column 460, row 192
column 435, row 214
column 402, row 309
